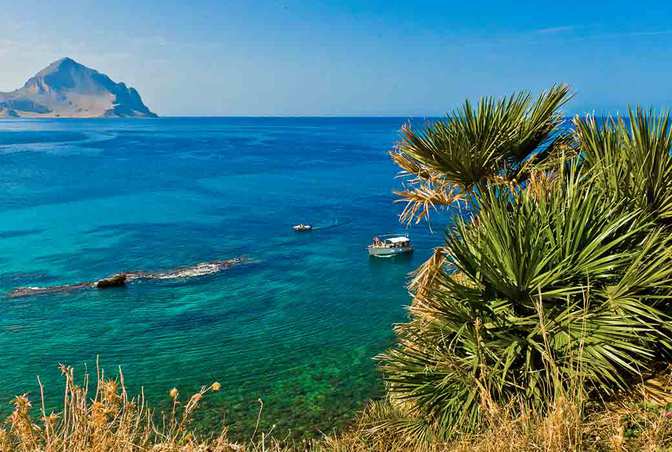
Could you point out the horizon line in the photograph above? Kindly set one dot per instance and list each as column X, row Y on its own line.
column 327, row 116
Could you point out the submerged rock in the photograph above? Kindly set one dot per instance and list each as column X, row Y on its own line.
column 118, row 280
column 29, row 291
column 122, row 279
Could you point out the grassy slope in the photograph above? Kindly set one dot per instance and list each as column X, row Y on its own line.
column 106, row 418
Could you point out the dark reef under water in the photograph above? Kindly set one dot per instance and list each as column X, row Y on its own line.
column 122, row 279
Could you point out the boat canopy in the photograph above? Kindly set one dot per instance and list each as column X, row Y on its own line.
column 397, row 240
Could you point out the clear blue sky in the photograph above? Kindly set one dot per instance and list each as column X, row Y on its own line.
column 344, row 57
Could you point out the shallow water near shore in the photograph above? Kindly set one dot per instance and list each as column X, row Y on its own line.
column 296, row 326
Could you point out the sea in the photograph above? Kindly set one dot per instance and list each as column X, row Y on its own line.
column 291, row 333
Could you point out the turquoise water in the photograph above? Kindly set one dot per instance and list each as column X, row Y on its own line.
column 297, row 326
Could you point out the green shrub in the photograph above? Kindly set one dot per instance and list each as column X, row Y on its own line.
column 559, row 279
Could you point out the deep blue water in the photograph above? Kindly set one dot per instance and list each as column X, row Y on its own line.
column 298, row 326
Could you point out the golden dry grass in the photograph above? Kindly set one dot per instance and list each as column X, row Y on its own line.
column 106, row 418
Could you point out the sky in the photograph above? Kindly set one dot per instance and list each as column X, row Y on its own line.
column 346, row 57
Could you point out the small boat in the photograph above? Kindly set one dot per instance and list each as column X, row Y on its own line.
column 390, row 245
column 302, row 227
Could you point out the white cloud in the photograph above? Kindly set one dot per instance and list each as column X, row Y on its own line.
column 554, row 30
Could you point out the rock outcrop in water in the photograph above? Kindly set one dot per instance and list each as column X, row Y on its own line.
column 118, row 280
column 67, row 89
column 122, row 279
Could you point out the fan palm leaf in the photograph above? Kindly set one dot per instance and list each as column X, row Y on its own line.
column 631, row 160
column 475, row 145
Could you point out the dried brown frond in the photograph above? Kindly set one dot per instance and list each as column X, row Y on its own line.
column 410, row 166
column 426, row 275
column 541, row 184
column 424, row 198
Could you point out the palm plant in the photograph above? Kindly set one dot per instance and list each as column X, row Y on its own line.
column 631, row 160
column 550, row 290
column 495, row 142
column 559, row 277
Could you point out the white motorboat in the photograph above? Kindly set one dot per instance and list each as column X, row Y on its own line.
column 390, row 245
column 302, row 227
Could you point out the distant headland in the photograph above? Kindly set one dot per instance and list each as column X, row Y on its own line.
column 67, row 89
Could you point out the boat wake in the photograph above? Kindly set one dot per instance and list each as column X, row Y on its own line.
column 122, row 279
column 333, row 225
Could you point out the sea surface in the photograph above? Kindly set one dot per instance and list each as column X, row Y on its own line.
column 297, row 326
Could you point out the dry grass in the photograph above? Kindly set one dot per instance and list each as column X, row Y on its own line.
column 108, row 419
column 626, row 426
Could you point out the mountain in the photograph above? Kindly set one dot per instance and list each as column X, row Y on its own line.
column 68, row 89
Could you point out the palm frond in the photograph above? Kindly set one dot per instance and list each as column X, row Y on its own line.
column 631, row 160
column 475, row 145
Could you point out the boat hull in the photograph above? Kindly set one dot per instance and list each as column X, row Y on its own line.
column 376, row 251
